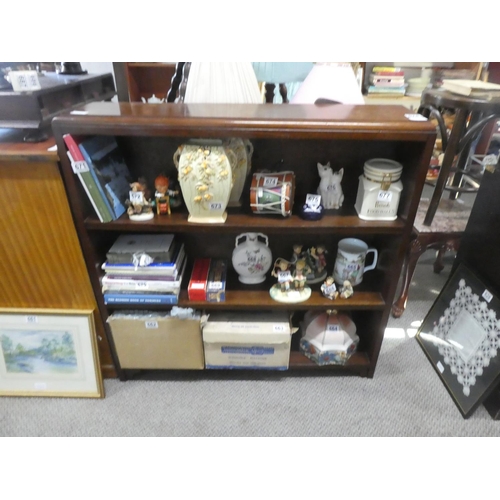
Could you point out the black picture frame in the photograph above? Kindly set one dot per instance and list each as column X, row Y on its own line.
column 461, row 338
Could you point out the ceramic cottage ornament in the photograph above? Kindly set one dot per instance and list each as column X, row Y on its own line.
column 205, row 177
column 329, row 187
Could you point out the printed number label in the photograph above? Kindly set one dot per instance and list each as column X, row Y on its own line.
column 151, row 324
column 141, row 285
column 31, row 319
column 278, row 328
column 80, row 167
column 215, row 205
column 313, row 200
column 216, row 285
column 270, row 181
column 384, row 196
column 333, row 328
column 487, row 296
column 136, row 197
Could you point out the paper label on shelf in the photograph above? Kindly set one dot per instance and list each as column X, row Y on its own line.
column 270, row 182
column 136, row 197
column 440, row 367
column 384, row 196
column 151, row 324
column 141, row 285
column 31, row 319
column 79, row 167
column 279, row 328
column 215, row 205
column 333, row 328
column 487, row 296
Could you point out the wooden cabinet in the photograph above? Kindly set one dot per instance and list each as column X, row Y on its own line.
column 41, row 262
column 284, row 138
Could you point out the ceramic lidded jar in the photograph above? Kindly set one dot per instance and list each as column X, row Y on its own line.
column 252, row 257
column 243, row 150
column 205, row 176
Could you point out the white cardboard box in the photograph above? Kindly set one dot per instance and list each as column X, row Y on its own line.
column 258, row 340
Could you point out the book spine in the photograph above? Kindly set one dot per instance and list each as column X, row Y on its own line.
column 388, row 73
column 141, row 286
column 97, row 181
column 122, row 298
column 386, row 69
column 88, row 182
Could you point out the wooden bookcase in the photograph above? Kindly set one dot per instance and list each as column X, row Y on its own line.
column 296, row 138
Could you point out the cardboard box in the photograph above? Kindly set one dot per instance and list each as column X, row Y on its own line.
column 238, row 340
column 157, row 342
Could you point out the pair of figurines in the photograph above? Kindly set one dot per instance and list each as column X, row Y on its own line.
column 141, row 206
column 329, row 289
column 292, row 278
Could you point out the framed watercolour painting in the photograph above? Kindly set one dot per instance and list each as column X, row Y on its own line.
column 461, row 338
column 49, row 353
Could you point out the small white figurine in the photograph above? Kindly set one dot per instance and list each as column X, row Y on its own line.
column 329, row 187
column 346, row 290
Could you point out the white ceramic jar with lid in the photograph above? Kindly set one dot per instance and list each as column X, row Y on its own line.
column 379, row 190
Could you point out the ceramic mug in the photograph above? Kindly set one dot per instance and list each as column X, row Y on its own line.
column 350, row 261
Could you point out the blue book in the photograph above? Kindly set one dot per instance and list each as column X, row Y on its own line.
column 108, row 167
column 140, row 298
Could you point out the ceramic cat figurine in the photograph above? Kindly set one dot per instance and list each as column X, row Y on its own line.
column 329, row 186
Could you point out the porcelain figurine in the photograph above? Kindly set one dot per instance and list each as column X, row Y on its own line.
column 346, row 290
column 329, row 187
column 316, row 258
column 139, row 203
column 165, row 196
column 328, row 288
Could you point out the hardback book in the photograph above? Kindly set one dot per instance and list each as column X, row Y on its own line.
column 88, row 181
column 131, row 298
column 387, row 81
column 388, row 73
column 472, row 88
column 160, row 247
column 372, row 89
column 387, row 69
column 172, row 268
column 107, row 165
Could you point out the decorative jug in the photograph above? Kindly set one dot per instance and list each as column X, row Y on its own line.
column 252, row 257
column 205, row 176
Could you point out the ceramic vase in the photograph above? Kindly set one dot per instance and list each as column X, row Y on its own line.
column 243, row 150
column 252, row 257
column 205, row 178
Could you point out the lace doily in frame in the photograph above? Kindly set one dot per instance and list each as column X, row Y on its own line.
column 467, row 336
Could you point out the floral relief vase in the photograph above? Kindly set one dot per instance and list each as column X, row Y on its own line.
column 205, row 177
column 243, row 150
column 252, row 257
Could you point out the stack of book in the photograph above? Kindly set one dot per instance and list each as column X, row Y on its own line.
column 101, row 168
column 473, row 88
column 144, row 269
column 386, row 81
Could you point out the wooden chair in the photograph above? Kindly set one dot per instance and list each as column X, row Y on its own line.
column 440, row 223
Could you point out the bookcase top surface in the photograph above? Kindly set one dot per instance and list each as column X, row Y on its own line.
column 293, row 117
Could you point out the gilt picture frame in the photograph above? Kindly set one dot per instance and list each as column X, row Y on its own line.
column 49, row 352
column 461, row 338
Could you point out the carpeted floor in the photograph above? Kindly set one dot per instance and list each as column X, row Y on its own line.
column 405, row 397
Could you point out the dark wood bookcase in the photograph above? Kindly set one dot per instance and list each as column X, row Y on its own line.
column 285, row 137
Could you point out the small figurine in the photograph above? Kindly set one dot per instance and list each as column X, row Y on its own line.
column 163, row 194
column 282, row 271
column 329, row 187
column 300, row 274
column 316, row 259
column 312, row 208
column 346, row 290
column 297, row 253
column 139, row 203
column 328, row 288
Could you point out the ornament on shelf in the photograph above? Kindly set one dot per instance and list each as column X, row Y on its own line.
column 329, row 187
column 316, row 259
column 312, row 208
column 346, row 290
column 291, row 286
column 139, row 203
column 243, row 150
column 205, row 176
column 272, row 193
column 163, row 194
column 252, row 257
column 328, row 288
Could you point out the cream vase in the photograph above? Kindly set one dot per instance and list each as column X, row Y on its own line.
column 205, row 177
column 243, row 150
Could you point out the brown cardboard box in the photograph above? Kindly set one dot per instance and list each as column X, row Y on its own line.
column 157, row 342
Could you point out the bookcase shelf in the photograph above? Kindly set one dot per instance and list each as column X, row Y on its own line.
column 296, row 138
